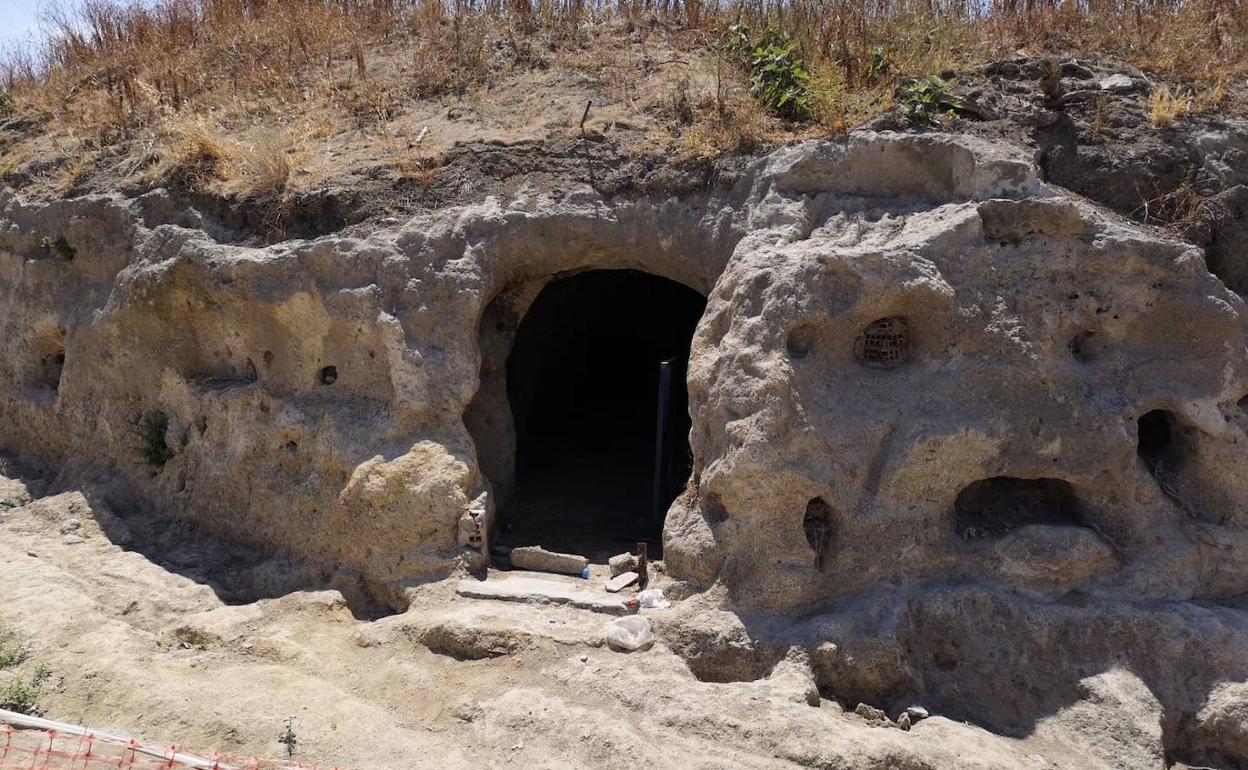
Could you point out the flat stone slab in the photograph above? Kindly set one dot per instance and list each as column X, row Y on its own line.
column 538, row 591
column 621, row 581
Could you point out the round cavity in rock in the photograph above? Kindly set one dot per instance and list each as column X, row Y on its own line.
column 819, row 524
column 883, row 344
column 1082, row 346
column 998, row 505
column 329, row 375
column 1158, row 440
column 49, row 344
column 800, row 342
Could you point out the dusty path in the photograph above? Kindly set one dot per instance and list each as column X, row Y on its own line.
column 113, row 625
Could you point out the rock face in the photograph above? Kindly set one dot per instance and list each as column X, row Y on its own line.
column 944, row 417
column 916, row 359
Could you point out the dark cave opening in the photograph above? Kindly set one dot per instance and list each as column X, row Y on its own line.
column 596, row 385
column 819, row 526
column 1158, row 443
column 999, row 505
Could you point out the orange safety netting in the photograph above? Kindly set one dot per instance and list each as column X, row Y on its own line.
column 40, row 749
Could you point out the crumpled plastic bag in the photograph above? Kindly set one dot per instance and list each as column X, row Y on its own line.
column 629, row 634
column 653, row 599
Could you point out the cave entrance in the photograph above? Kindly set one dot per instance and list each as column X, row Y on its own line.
column 596, row 385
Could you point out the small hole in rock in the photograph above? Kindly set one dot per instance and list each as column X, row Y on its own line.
column 268, row 358
column 290, row 446
column 800, row 342
column 883, row 344
column 49, row 344
column 998, row 505
column 329, row 375
column 819, row 524
column 1243, row 404
column 1082, row 347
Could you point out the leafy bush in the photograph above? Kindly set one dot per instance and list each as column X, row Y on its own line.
column 925, row 98
column 881, row 65
column 152, row 429
column 777, row 71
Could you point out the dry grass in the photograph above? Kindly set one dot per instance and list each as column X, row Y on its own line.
column 194, row 154
column 133, row 58
column 1165, row 107
column 190, row 82
column 269, row 165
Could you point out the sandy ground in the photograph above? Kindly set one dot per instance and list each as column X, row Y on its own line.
column 450, row 683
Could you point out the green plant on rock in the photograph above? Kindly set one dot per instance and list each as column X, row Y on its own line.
column 288, row 737
column 19, row 692
column 59, row 248
column 925, row 98
column 22, row 693
column 152, row 429
column 778, row 75
column 880, row 65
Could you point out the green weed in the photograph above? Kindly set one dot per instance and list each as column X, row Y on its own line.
column 59, row 248
column 925, row 98
column 778, row 75
column 152, row 428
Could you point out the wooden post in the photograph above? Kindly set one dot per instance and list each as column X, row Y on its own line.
column 643, row 570
column 585, row 115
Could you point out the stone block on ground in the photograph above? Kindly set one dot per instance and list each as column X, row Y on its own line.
column 539, row 559
column 621, row 563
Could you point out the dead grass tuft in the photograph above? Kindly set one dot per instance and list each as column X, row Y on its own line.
column 195, row 154
column 267, row 167
column 1165, row 107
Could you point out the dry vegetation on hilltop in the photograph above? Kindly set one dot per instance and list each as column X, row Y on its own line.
column 258, row 96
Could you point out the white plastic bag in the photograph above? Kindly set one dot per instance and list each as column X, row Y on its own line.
column 653, row 599
column 630, row 633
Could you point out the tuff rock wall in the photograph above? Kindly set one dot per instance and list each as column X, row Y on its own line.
column 917, row 360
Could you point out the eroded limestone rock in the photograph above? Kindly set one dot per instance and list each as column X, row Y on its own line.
column 890, row 321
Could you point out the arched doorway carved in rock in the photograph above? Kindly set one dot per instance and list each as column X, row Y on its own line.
column 591, row 444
